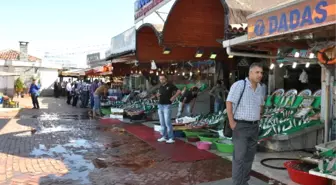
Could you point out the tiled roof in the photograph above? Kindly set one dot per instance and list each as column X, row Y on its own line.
column 15, row 55
column 236, row 30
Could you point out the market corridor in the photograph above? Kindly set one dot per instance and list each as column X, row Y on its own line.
column 61, row 145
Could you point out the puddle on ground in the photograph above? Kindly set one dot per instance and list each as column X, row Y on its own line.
column 78, row 167
column 52, row 129
column 54, row 117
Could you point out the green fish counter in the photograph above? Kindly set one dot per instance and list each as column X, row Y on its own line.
column 289, row 114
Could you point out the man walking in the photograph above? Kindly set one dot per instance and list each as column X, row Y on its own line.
column 187, row 101
column 244, row 107
column 166, row 97
column 218, row 92
column 34, row 93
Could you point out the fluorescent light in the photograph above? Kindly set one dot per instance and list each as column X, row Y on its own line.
column 272, row 66
column 230, row 56
column 297, row 55
column 307, row 64
column 311, row 55
column 281, row 65
column 199, row 54
column 294, row 65
column 166, row 51
column 213, row 55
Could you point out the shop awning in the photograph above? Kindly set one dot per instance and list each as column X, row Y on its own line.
column 76, row 72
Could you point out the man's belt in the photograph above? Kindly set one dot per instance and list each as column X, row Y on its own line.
column 248, row 122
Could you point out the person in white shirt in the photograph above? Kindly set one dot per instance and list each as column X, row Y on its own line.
column 69, row 89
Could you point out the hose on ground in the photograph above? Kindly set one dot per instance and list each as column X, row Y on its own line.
column 263, row 162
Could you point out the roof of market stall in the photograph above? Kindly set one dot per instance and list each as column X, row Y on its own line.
column 263, row 37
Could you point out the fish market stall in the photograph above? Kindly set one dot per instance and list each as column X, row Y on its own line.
column 290, row 119
column 142, row 107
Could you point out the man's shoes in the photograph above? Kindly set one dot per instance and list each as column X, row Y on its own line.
column 170, row 141
column 34, row 107
column 162, row 139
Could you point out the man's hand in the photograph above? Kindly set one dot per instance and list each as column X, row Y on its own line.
column 233, row 124
column 172, row 99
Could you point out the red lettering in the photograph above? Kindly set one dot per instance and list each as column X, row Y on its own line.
column 146, row 9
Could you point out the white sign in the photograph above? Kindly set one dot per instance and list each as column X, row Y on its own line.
column 122, row 42
column 143, row 8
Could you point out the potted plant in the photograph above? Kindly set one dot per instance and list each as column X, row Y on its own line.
column 18, row 86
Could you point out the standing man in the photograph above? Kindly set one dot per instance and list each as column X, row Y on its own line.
column 93, row 88
column 244, row 107
column 69, row 89
column 167, row 95
column 34, row 93
column 187, row 101
column 98, row 94
column 218, row 92
column 84, row 92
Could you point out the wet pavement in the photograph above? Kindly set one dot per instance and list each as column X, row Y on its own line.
column 48, row 148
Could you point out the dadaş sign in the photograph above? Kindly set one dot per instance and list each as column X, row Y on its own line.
column 304, row 15
column 142, row 8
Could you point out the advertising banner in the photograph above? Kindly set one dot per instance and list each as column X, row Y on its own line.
column 294, row 17
column 143, row 8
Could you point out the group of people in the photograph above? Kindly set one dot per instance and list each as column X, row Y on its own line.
column 244, row 105
column 87, row 92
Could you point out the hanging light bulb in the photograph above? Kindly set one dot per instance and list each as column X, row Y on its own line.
column 297, row 55
column 311, row 55
column 190, row 73
column 307, row 64
column 281, row 65
column 157, row 73
column 162, row 72
column 272, row 66
column 140, row 72
column 151, row 71
column 198, row 71
column 132, row 72
column 294, row 65
column 183, row 73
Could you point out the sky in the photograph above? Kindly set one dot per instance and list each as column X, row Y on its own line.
column 53, row 24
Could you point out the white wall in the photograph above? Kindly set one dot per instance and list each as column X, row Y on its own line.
column 47, row 78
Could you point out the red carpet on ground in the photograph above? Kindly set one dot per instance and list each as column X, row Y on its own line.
column 180, row 151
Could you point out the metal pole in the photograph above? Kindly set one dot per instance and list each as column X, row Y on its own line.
column 327, row 107
column 157, row 13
